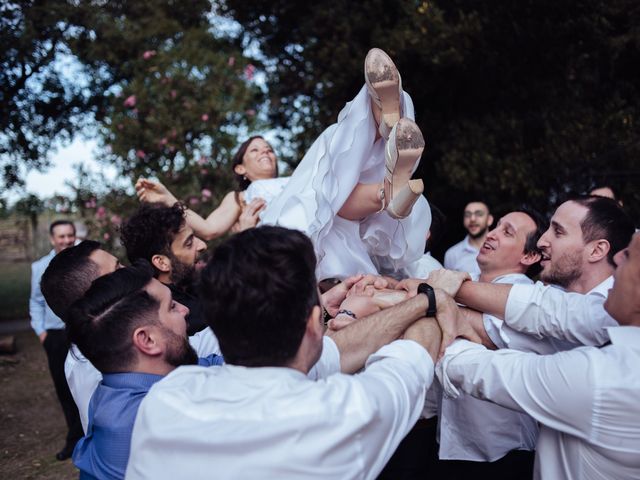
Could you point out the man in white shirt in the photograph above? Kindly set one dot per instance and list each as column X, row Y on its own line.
column 462, row 256
column 586, row 399
column 479, row 438
column 260, row 416
column 577, row 255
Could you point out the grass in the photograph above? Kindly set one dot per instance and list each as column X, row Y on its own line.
column 15, row 287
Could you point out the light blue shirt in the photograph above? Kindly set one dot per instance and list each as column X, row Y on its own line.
column 42, row 317
column 104, row 451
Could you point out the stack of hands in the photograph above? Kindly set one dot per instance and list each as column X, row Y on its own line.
column 363, row 295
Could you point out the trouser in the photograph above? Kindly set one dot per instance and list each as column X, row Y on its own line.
column 417, row 454
column 515, row 465
column 56, row 346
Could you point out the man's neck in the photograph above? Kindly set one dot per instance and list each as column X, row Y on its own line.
column 591, row 278
column 152, row 365
column 478, row 241
column 165, row 277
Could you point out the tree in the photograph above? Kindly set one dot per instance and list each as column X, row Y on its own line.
column 162, row 85
column 519, row 102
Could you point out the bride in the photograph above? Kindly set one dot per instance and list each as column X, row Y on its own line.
column 351, row 193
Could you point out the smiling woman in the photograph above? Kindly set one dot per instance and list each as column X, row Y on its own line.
column 352, row 193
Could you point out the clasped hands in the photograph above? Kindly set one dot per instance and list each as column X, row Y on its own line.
column 363, row 295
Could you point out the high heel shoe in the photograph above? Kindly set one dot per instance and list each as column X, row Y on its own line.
column 385, row 88
column 402, row 153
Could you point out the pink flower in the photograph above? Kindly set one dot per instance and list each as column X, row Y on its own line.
column 203, row 171
column 232, row 61
column 106, row 236
column 251, row 112
column 194, row 201
column 248, row 71
column 120, row 126
column 206, row 193
column 204, row 117
column 202, row 160
column 101, row 212
column 130, row 101
column 148, row 54
column 163, row 141
column 173, row 93
column 116, row 220
column 140, row 154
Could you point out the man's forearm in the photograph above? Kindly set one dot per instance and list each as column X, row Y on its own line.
column 360, row 339
column 484, row 297
column 475, row 323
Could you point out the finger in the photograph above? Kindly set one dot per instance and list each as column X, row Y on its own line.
column 351, row 281
column 380, row 283
column 369, row 290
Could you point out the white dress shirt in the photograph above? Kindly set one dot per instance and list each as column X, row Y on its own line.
column 547, row 311
column 476, row 430
column 83, row 377
column 462, row 257
column 586, row 401
column 269, row 422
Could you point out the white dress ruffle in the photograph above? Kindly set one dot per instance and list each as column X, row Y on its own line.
column 344, row 155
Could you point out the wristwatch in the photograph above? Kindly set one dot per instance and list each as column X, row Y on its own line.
column 428, row 291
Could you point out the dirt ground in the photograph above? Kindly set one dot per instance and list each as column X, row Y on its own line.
column 32, row 427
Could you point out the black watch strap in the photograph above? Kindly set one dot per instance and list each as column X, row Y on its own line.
column 431, row 295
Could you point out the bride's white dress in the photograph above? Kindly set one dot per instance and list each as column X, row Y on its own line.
column 344, row 155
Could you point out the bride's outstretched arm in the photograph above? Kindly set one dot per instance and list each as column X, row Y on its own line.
column 215, row 225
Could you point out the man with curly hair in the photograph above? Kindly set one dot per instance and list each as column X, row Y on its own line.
column 160, row 235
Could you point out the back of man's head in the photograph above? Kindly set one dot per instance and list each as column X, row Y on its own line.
column 258, row 291
column 102, row 322
column 605, row 219
column 69, row 276
column 151, row 230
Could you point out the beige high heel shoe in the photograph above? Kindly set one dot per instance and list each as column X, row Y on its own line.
column 385, row 88
column 402, row 154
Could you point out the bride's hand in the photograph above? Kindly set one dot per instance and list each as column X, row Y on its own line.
column 154, row 192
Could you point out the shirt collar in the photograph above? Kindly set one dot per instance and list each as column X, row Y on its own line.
column 603, row 287
column 467, row 246
column 628, row 336
column 130, row 380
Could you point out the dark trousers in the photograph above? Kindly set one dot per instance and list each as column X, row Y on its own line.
column 57, row 346
column 515, row 465
column 417, row 454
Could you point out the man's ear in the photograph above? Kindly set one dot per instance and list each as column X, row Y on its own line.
column 530, row 258
column 598, row 249
column 315, row 325
column 161, row 263
column 489, row 220
column 240, row 169
column 147, row 340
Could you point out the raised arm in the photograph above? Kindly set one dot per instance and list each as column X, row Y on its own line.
column 215, row 225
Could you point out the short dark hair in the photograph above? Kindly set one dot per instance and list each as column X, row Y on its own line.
column 241, row 180
column 102, row 322
column 599, row 185
column 57, row 223
column 531, row 243
column 151, row 230
column 257, row 292
column 69, row 276
column 606, row 220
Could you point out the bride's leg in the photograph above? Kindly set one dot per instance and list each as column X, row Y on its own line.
column 364, row 200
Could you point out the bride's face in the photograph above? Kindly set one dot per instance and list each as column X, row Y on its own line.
column 258, row 162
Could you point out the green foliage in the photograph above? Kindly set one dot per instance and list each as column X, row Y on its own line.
column 164, row 85
column 15, row 287
column 519, row 101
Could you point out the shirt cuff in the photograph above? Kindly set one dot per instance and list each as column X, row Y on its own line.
column 457, row 348
column 517, row 301
column 493, row 327
column 408, row 350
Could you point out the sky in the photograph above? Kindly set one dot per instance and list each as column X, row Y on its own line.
column 52, row 180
